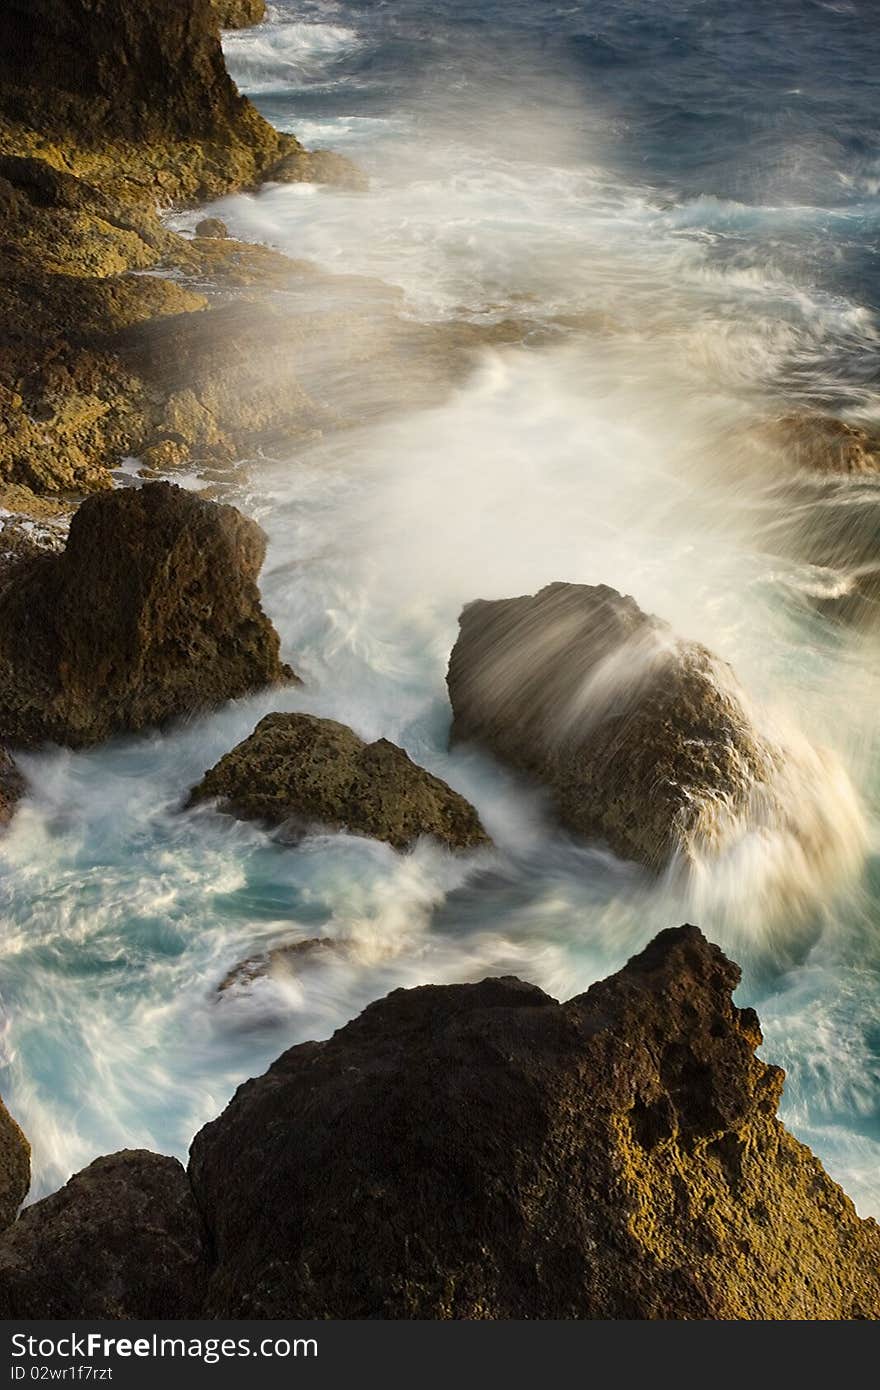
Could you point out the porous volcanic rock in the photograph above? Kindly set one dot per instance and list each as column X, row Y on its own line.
column 238, row 14
column 296, row 768
column 151, row 612
column 481, row 1151
column 15, row 1167
column 12, row 786
column 123, row 1239
column 645, row 740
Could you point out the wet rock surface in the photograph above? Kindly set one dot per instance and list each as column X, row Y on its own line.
column 151, row 612
column 301, row 771
column 641, row 737
column 480, row 1151
column 123, row 1239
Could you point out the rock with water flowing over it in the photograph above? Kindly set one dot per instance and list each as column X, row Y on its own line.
column 645, row 740
column 123, row 1239
column 151, row 612
column 300, row 771
column 825, row 444
column 238, row 14
column 15, row 1167
column 481, row 1151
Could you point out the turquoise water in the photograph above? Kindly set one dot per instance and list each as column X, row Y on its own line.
column 541, row 161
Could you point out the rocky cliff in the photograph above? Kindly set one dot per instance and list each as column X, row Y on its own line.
column 143, row 81
column 479, row 1151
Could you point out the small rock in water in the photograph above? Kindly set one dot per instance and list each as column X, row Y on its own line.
column 309, row 771
column 284, row 959
column 212, row 227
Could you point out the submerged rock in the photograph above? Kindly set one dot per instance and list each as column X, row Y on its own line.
column 12, row 786
column 296, row 768
column 646, row 741
column 123, row 1239
column 480, row 1151
column 283, row 960
column 238, row 14
column 151, row 612
column 15, row 1168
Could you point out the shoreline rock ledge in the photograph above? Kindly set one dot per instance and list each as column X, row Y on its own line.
column 479, row 1151
column 150, row 613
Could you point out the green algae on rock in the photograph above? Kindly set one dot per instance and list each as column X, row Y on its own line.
column 296, row 769
column 151, row 613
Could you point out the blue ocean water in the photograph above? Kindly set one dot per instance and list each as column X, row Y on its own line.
column 689, row 192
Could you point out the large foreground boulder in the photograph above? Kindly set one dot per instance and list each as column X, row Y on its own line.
column 645, row 740
column 480, row 1151
column 151, row 612
column 15, row 1167
column 123, row 1239
column 298, row 770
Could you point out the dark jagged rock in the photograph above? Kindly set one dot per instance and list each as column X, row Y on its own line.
column 238, row 14
column 645, row 740
column 12, row 786
column 123, row 1239
column 296, row 768
column 480, row 1151
column 151, row 612
column 15, row 1168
